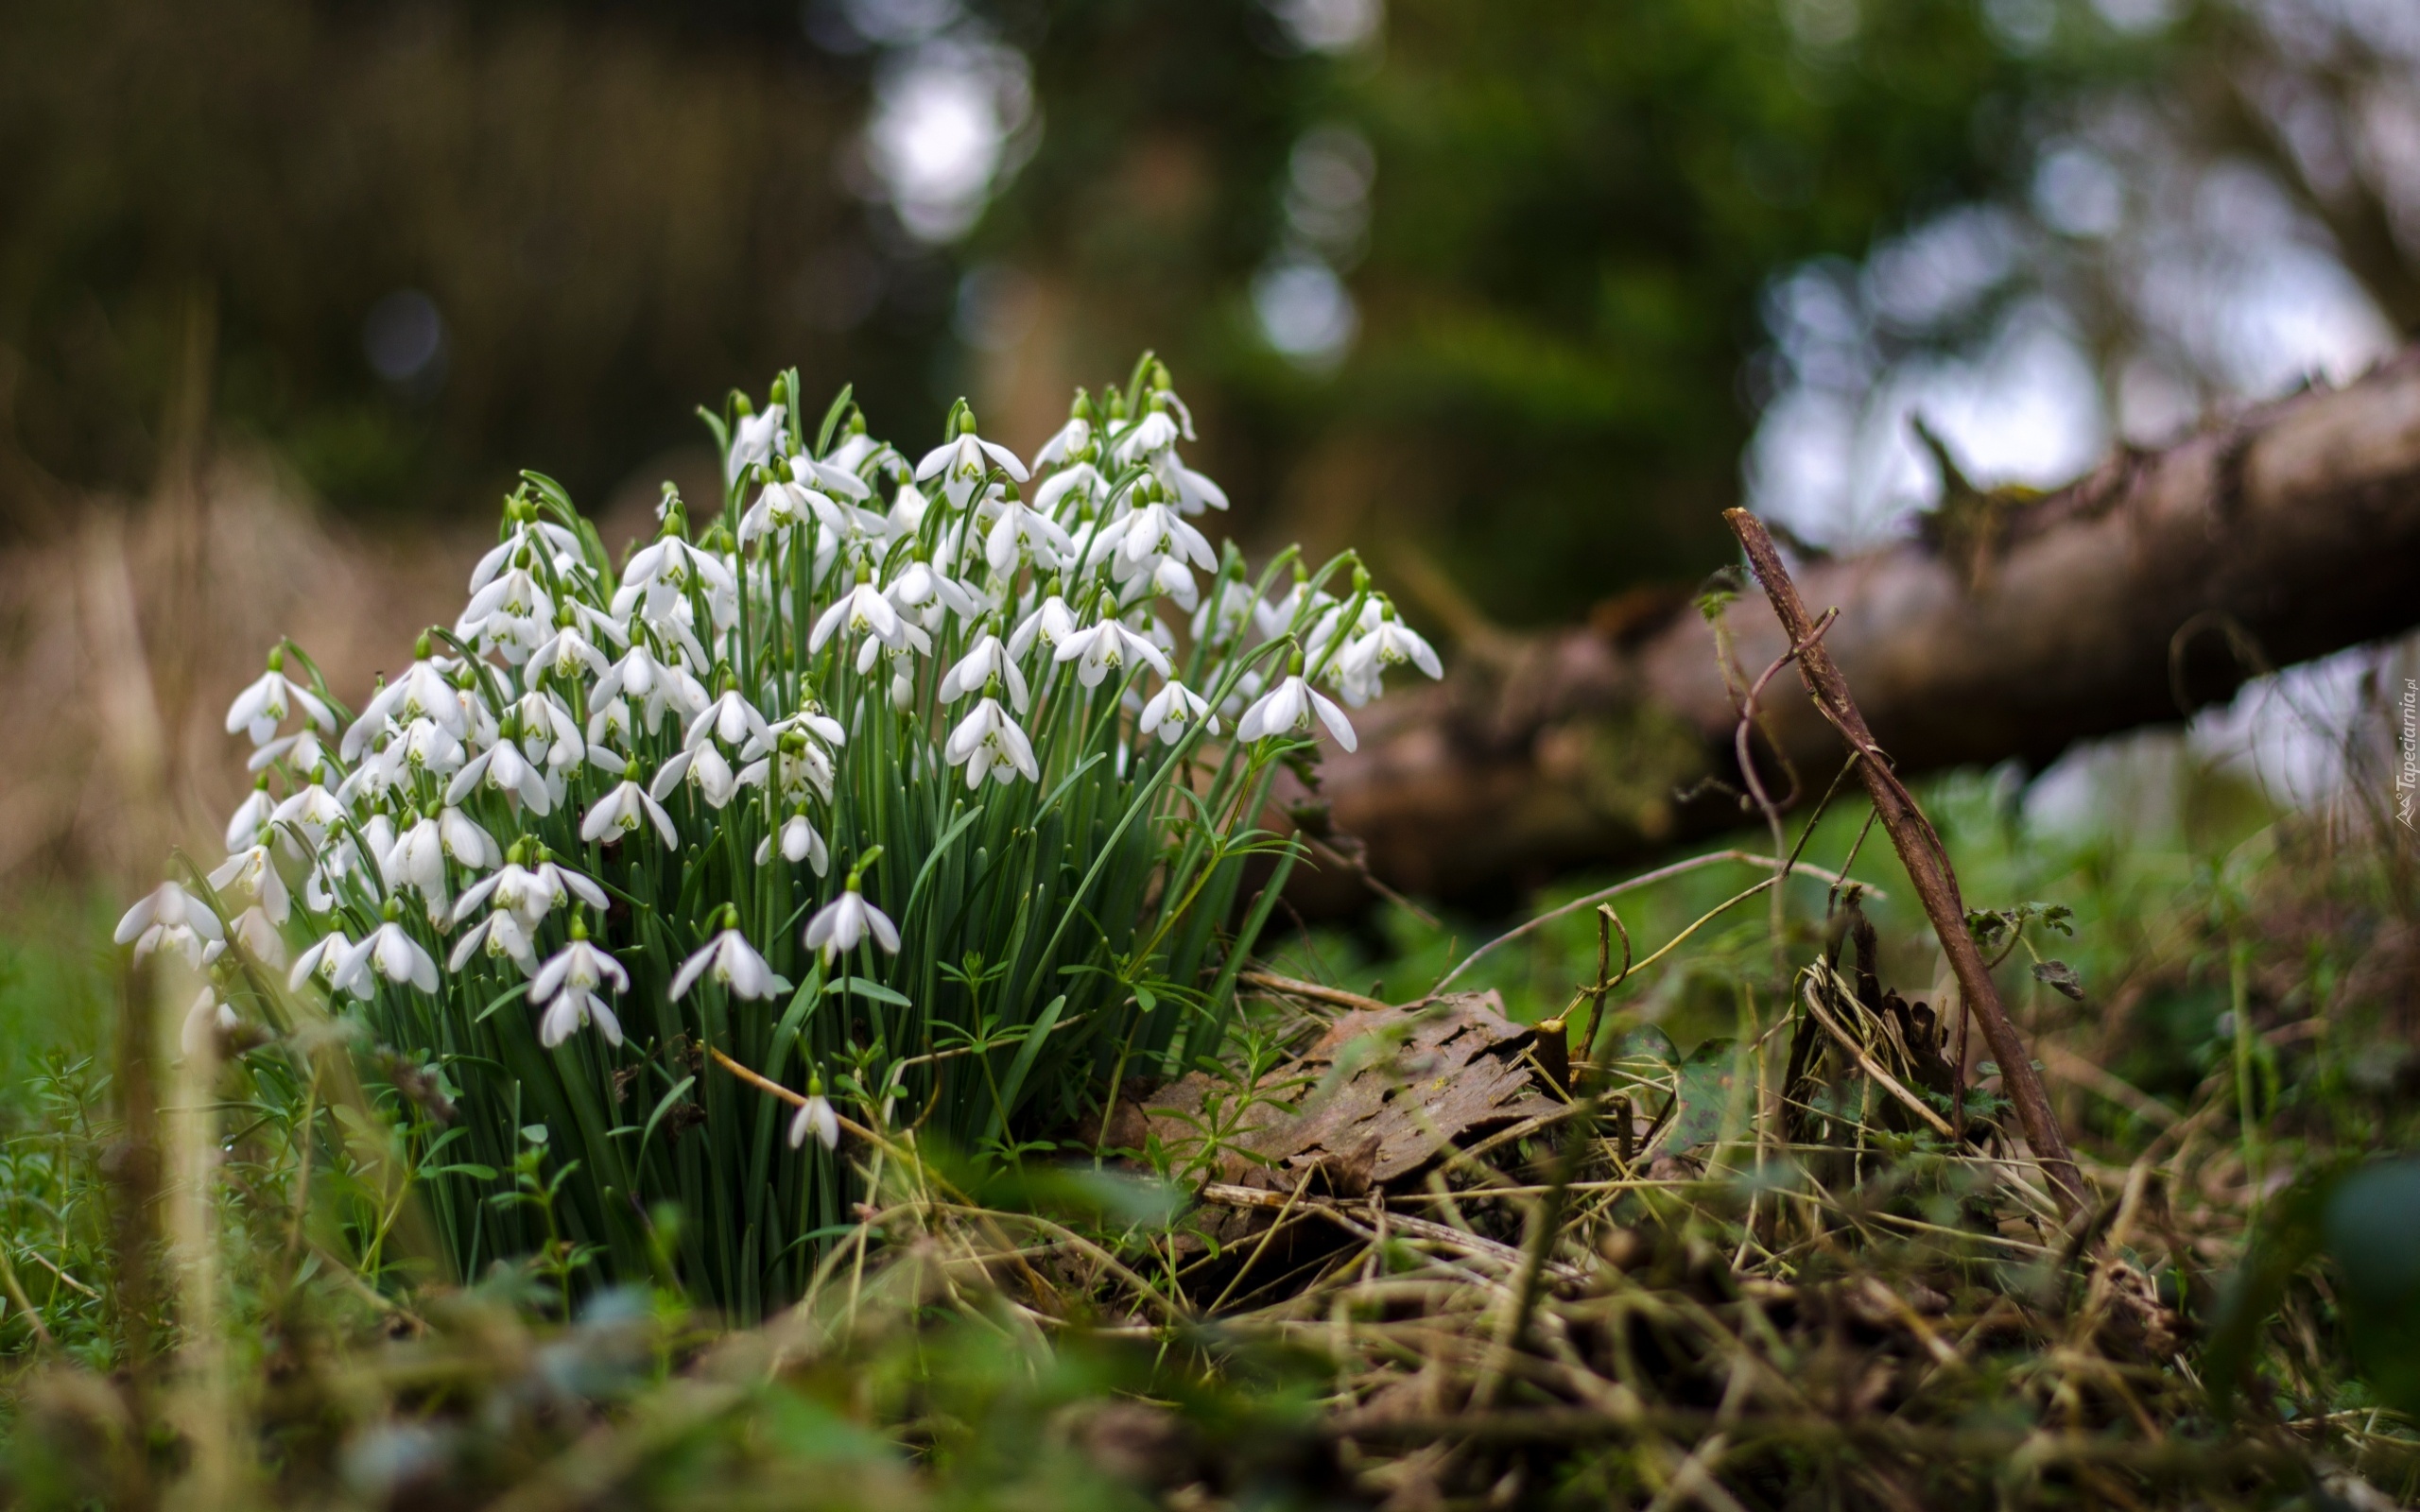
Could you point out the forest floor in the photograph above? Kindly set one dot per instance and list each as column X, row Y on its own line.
column 1769, row 1243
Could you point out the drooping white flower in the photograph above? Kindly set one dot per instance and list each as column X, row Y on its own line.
column 799, row 842
column 254, row 814
column 504, row 769
column 1070, row 440
column 302, row 750
column 422, row 693
column 1100, row 649
column 989, row 742
column 658, row 686
column 428, row 746
column 730, row 719
column 529, row 893
column 704, row 766
column 510, row 615
column 389, row 951
column 847, row 921
column 466, row 843
column 502, row 936
column 310, row 812
column 325, row 960
column 172, row 917
column 1391, row 644
column 751, row 439
column 962, row 461
column 1155, row 432
column 731, row 963
column 622, row 812
column 208, row 1018
column 988, row 659
column 815, row 1117
column 1287, row 708
column 1050, row 623
column 249, row 872
column 864, row 610
column 566, row 656
column 1023, row 534
column 255, row 930
column 417, row 862
column 265, row 703
column 566, row 987
column 922, row 585
column 1068, row 491
column 1170, row 710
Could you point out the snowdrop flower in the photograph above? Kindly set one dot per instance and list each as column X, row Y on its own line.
column 908, row 508
column 1154, row 533
column 566, row 655
column 1051, row 623
column 302, row 750
column 799, row 842
column 568, row 982
column 325, row 960
column 1192, row 491
column 730, row 963
column 529, row 534
column 430, row 747
column 1171, row 710
column 249, row 872
column 1104, row 647
column 504, row 769
column 389, row 952
column 170, row 916
column 1287, row 708
column 253, row 930
column 502, row 936
column 988, row 659
column 989, row 742
column 730, row 719
column 1155, row 432
column 465, row 842
column 422, row 693
column 962, row 461
column 751, row 439
column 209, row 1018
column 1223, row 615
column 510, row 615
column 264, row 705
column 1023, row 534
column 919, row 585
column 529, row 893
column 658, row 686
column 841, row 925
column 833, row 474
column 1070, row 487
column 310, row 812
column 702, row 765
column 254, row 814
column 796, row 768
column 1071, row 441
column 815, row 1117
column 623, row 811
column 810, row 721
column 1391, row 644
column 660, row 572
column 865, row 610
column 417, row 861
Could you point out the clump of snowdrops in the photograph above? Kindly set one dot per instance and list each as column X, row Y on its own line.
column 912, row 794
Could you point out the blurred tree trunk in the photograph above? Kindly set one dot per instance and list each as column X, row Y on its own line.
column 2154, row 586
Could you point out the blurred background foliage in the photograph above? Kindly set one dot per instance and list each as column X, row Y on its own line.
column 1534, row 288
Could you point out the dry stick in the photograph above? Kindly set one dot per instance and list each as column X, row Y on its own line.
column 1927, row 864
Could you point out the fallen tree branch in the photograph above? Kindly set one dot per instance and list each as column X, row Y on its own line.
column 2294, row 529
column 1927, row 864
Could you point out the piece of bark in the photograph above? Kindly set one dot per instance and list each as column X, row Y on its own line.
column 2296, row 524
column 1376, row 1100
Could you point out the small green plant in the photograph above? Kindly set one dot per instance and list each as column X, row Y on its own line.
column 931, row 782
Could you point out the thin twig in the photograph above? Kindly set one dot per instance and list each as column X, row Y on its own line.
column 1927, row 863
